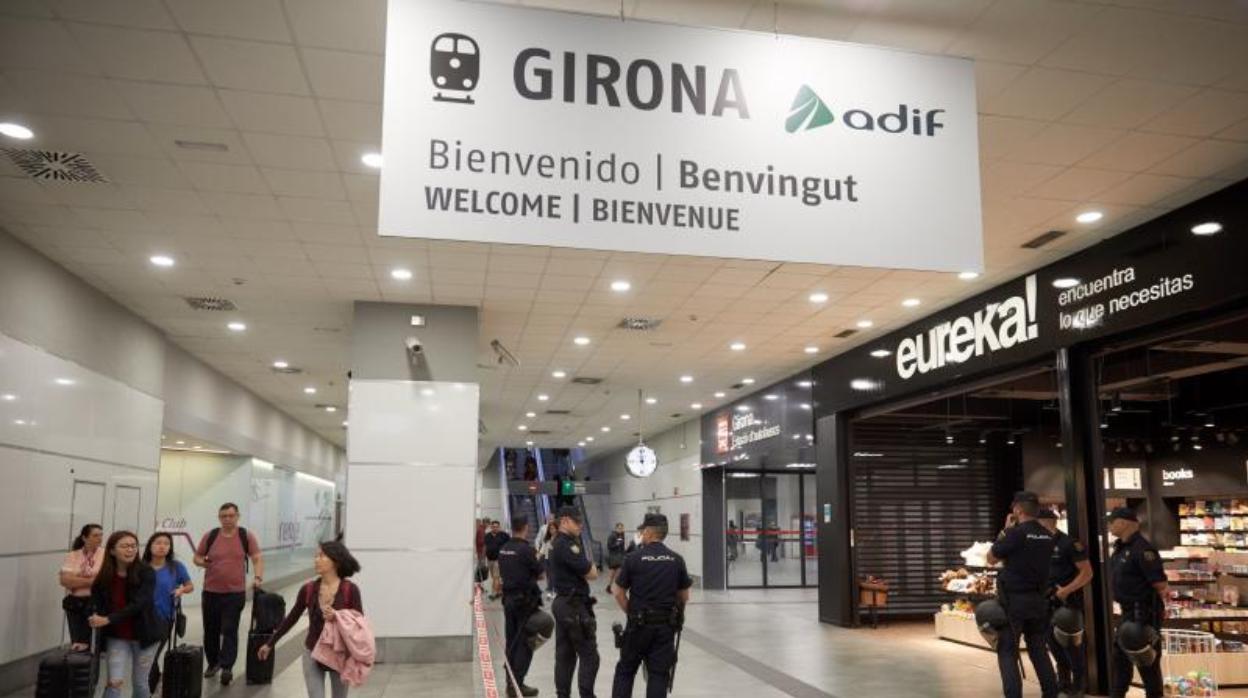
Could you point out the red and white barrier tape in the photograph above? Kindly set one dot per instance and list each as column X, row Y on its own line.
column 488, row 679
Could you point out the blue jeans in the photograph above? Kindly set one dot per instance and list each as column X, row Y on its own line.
column 127, row 653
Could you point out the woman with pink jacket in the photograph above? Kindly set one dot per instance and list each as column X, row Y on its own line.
column 339, row 642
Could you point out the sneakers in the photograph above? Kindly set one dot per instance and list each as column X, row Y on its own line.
column 527, row 691
column 226, row 677
column 212, row 671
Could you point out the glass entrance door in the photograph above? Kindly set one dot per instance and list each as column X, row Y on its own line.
column 769, row 537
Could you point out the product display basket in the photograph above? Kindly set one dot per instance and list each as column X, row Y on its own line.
column 1188, row 662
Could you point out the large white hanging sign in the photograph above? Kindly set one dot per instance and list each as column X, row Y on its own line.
column 514, row 125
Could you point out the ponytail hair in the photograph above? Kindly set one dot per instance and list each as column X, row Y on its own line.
column 81, row 541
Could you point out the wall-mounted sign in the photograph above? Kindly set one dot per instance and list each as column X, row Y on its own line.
column 513, row 125
column 1127, row 479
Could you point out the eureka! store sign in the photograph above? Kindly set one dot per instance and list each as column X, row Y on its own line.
column 513, row 125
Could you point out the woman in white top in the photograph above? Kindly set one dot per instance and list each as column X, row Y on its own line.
column 76, row 575
column 544, row 543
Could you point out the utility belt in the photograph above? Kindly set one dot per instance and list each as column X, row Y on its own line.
column 577, row 598
column 657, row 617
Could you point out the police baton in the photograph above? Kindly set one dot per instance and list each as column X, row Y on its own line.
column 671, row 673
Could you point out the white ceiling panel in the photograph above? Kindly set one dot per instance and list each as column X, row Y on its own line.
column 261, row 20
column 273, row 113
column 250, row 65
column 358, row 25
column 148, row 55
column 343, row 75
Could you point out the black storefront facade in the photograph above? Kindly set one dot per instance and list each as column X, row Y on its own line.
column 1052, row 325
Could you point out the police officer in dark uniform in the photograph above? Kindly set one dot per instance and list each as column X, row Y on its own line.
column 1026, row 548
column 652, row 590
column 520, row 570
column 575, row 625
column 1139, row 584
column 1069, row 573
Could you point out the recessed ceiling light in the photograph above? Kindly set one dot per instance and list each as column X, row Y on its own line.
column 1065, row 282
column 818, row 297
column 344, row 424
column 197, row 447
column 8, row 397
column 589, row 439
column 559, row 374
column 804, row 384
column 1089, row 216
column 581, row 341
column 530, row 415
column 805, row 406
column 651, row 400
column 881, row 353
column 280, row 364
column 737, row 346
column 620, row 286
column 865, row 324
column 626, row 417
column 862, row 384
column 17, row 131
column 310, row 390
column 19, row 422
column 1210, row 228
column 581, row 444
column 331, row 408
column 811, row 349
column 543, row 397
column 743, row 408
column 401, row 274
column 372, row 159
column 606, row 429
column 523, row 427
column 747, row 381
column 180, row 443
column 968, row 275
column 720, row 395
column 64, row 381
column 161, row 260
column 911, row 302
column 686, row 379
column 771, row 396
column 237, row 326
column 528, row 443
column 695, row 406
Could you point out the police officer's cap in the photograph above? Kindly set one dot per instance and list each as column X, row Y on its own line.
column 1123, row 513
column 1024, row 496
column 569, row 513
column 1047, row 514
column 654, row 521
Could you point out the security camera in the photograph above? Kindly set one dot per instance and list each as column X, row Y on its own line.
column 415, row 350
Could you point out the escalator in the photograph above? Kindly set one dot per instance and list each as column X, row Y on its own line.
column 538, row 499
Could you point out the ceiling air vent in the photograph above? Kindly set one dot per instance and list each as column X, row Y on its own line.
column 586, row 380
column 539, row 432
column 207, row 146
column 212, row 304
column 845, row 333
column 54, row 166
column 1043, row 239
column 290, row 370
column 639, row 324
column 559, row 413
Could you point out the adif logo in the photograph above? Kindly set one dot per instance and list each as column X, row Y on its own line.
column 809, row 112
column 998, row 326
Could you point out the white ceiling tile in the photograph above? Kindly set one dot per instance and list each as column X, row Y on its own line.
column 366, row 215
column 1202, row 115
column 249, row 65
column 290, row 152
column 1063, row 144
column 168, row 200
column 272, row 113
column 143, row 14
column 322, row 232
column 67, row 94
column 1136, row 152
column 43, row 45
column 1078, row 184
column 211, row 176
column 139, row 54
column 173, row 104
column 242, row 205
column 94, row 136
column 1008, row 178
column 1045, row 93
column 338, row 269
column 317, row 210
column 1113, row 42
column 998, row 134
column 241, row 19
column 359, row 25
column 263, row 230
column 352, row 121
column 350, row 254
column 1144, row 189
column 26, row 190
column 1129, row 104
column 341, row 75
column 321, row 185
column 1203, row 158
column 348, row 156
column 1021, row 31
column 362, row 187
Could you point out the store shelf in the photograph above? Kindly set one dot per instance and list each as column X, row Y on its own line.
column 1190, row 582
column 1210, row 619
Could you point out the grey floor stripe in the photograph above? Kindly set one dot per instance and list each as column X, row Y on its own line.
column 772, row 677
column 288, row 652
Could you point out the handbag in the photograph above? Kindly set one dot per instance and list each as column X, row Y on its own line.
column 80, row 605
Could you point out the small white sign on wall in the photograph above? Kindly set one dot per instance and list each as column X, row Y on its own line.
column 1127, row 479
column 512, row 125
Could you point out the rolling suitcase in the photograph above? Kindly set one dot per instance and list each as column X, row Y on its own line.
column 259, row 671
column 267, row 612
column 183, row 676
column 68, row 674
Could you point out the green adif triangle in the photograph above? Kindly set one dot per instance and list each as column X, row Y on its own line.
column 809, row 110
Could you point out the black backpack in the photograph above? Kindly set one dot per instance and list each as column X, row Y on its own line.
column 243, row 537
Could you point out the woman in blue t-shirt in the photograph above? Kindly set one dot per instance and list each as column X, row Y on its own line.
column 172, row 579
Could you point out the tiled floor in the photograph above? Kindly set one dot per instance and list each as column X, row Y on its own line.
column 760, row 644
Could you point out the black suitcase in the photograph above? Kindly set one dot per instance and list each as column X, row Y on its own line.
column 259, row 671
column 183, row 676
column 68, row 674
column 267, row 611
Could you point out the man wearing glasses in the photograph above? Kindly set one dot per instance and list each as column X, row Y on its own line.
column 224, row 554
